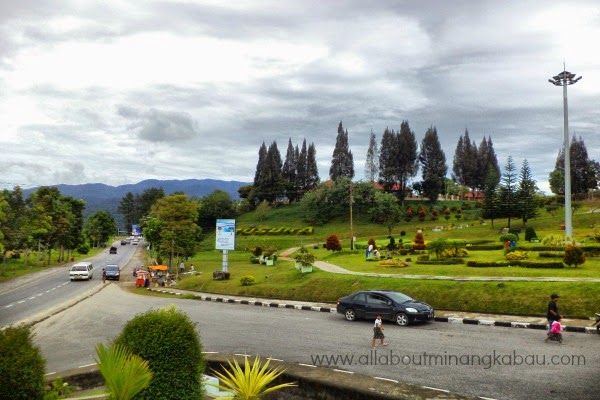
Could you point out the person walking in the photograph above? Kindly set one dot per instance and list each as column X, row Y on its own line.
column 103, row 275
column 378, row 332
column 182, row 267
column 555, row 330
column 553, row 314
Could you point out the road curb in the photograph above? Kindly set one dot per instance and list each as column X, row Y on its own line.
column 307, row 307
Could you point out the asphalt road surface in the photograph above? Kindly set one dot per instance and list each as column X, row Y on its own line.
column 490, row 362
column 32, row 297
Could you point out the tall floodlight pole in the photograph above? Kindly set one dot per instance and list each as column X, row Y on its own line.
column 564, row 79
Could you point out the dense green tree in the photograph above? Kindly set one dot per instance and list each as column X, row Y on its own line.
column 387, row 160
column 372, row 160
column 217, row 205
column 13, row 218
column 99, row 227
column 584, row 171
column 128, row 208
column 302, row 181
column 179, row 233
column 386, row 210
column 433, row 165
column 526, row 192
column 147, row 199
column 342, row 162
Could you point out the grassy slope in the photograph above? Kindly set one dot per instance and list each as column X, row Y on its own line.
column 285, row 282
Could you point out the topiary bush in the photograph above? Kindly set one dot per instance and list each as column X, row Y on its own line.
column 333, row 243
column 419, row 241
column 516, row 255
column 168, row 340
column 530, row 234
column 509, row 237
column 247, row 280
column 22, row 367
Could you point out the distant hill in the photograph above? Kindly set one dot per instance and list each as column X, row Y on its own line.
column 99, row 196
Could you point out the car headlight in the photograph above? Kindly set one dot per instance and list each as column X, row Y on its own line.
column 410, row 309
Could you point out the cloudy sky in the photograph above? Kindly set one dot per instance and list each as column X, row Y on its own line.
column 121, row 91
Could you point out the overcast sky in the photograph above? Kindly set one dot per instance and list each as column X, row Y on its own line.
column 121, row 91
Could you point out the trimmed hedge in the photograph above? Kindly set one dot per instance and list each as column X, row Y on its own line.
column 168, row 340
column 490, row 246
column 22, row 366
column 518, row 263
column 442, row 261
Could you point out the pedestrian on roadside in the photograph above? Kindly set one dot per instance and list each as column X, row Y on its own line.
column 103, row 275
column 182, row 267
column 553, row 314
column 555, row 330
column 378, row 332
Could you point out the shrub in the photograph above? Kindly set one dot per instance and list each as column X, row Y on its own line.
column 402, row 233
column 509, row 237
column 392, row 264
column 530, row 234
column 419, row 241
column 83, row 249
column 257, row 251
column 221, row 275
column 247, row 280
column 516, row 255
column 454, row 252
column 22, row 367
column 392, row 244
column 573, row 256
column 442, row 261
column 333, row 243
column 168, row 340
column 304, row 257
column 552, row 254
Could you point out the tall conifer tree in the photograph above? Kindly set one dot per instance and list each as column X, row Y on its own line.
column 433, row 165
column 342, row 162
column 372, row 160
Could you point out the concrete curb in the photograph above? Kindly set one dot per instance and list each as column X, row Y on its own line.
column 308, row 307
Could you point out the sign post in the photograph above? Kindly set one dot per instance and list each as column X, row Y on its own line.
column 225, row 239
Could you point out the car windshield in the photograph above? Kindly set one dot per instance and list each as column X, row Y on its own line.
column 112, row 268
column 398, row 297
column 79, row 269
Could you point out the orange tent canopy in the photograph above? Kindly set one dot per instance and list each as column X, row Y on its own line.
column 159, row 267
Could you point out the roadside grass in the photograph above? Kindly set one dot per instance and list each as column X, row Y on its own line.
column 17, row 267
column 283, row 281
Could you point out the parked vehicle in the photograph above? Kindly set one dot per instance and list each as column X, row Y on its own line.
column 112, row 272
column 81, row 271
column 392, row 306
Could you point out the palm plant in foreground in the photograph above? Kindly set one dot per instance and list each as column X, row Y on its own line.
column 249, row 383
column 125, row 374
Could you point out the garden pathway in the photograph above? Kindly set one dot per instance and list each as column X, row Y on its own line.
column 336, row 269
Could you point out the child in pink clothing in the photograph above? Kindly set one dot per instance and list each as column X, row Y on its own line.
column 554, row 333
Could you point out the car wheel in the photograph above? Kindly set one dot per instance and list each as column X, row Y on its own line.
column 401, row 319
column 350, row 315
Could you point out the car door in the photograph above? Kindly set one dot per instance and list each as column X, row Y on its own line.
column 378, row 304
column 359, row 303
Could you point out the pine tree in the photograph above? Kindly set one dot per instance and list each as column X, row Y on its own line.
column 387, row 160
column 262, row 155
column 584, row 171
column 406, row 163
column 372, row 160
column 491, row 200
column 486, row 160
column 270, row 185
column 311, row 167
column 433, row 165
column 288, row 172
column 342, row 162
column 465, row 162
column 302, row 172
column 526, row 194
column 508, row 190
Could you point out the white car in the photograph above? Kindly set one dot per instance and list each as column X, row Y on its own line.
column 81, row 271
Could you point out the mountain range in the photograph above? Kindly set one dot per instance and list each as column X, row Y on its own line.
column 98, row 196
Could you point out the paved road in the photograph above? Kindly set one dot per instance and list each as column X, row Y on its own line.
column 471, row 360
column 31, row 297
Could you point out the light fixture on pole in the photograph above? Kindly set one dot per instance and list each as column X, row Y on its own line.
column 564, row 79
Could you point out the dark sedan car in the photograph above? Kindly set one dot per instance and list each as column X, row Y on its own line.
column 393, row 306
column 113, row 272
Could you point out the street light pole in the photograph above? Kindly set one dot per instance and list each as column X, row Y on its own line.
column 564, row 79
